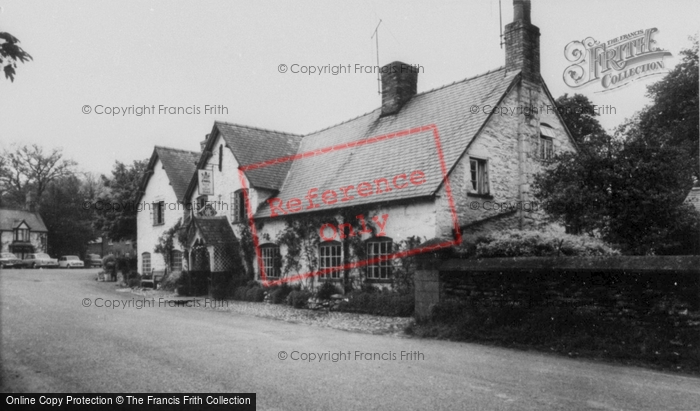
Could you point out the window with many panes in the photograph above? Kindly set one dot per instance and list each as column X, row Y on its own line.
column 22, row 234
column 146, row 262
column 271, row 260
column 158, row 213
column 546, row 142
column 176, row 260
column 238, row 211
column 478, row 176
column 330, row 256
column 380, row 266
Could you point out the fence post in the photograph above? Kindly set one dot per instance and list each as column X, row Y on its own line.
column 427, row 283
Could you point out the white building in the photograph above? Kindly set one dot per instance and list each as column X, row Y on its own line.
column 161, row 205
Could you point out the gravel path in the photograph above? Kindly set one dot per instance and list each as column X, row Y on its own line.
column 362, row 323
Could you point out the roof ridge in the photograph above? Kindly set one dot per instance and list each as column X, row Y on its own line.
column 461, row 81
column 258, row 128
column 342, row 122
column 178, row 149
column 418, row 94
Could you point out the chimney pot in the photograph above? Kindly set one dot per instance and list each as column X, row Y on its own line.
column 523, row 43
column 30, row 203
column 203, row 143
column 399, row 85
column 521, row 10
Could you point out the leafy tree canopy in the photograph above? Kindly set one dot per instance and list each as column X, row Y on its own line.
column 116, row 215
column 630, row 188
column 10, row 54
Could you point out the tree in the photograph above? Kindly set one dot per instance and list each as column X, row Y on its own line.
column 579, row 115
column 630, row 188
column 68, row 220
column 117, row 210
column 28, row 168
column 674, row 112
column 10, row 54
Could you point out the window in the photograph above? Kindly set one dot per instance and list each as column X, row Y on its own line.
column 478, row 176
column 546, row 142
column 329, row 253
column 271, row 260
column 201, row 203
column 146, row 263
column 159, row 213
column 379, row 249
column 221, row 156
column 238, row 211
column 176, row 260
column 22, row 234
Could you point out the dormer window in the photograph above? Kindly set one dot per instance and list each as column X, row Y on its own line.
column 22, row 233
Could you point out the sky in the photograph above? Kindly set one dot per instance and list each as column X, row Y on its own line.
column 227, row 55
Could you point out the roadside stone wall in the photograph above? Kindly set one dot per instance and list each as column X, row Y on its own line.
column 669, row 293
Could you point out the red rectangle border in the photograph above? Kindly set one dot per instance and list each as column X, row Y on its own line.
column 325, row 150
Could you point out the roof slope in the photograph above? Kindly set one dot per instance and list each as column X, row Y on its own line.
column 215, row 230
column 253, row 145
column 447, row 108
column 10, row 219
column 179, row 165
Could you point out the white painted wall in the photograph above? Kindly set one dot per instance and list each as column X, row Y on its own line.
column 157, row 189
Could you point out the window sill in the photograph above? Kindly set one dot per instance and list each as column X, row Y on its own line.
column 330, row 280
column 379, row 280
column 477, row 195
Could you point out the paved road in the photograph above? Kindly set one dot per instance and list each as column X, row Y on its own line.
column 51, row 343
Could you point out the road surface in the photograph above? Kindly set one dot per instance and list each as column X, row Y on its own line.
column 52, row 343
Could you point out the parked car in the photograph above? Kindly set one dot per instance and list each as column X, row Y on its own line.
column 39, row 260
column 9, row 260
column 93, row 260
column 70, row 261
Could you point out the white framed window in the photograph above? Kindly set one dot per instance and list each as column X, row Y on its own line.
column 478, row 176
column 380, row 267
column 270, row 257
column 238, row 211
column 22, row 234
column 329, row 257
column 146, row 262
column 546, row 149
column 159, row 213
column 176, row 260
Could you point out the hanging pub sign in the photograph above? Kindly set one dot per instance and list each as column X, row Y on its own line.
column 206, row 182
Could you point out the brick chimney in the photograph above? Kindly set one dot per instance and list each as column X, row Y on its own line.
column 523, row 43
column 30, row 202
column 399, row 83
column 203, row 143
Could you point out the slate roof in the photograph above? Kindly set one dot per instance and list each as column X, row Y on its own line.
column 215, row 230
column 447, row 108
column 179, row 165
column 10, row 219
column 253, row 145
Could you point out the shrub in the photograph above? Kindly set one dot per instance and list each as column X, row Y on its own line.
column 192, row 283
column 379, row 303
column 326, row 290
column 299, row 298
column 279, row 294
column 530, row 243
column 239, row 294
column 134, row 279
column 255, row 294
